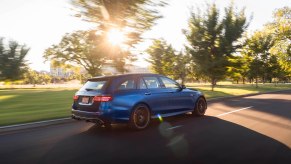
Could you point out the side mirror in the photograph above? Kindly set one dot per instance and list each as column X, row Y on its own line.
column 183, row 86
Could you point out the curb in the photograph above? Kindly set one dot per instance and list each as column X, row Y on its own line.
column 39, row 124
column 33, row 125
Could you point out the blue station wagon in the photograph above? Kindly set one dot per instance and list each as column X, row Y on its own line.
column 134, row 99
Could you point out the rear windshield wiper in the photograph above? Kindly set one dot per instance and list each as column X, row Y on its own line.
column 89, row 89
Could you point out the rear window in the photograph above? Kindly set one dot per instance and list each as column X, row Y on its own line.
column 93, row 85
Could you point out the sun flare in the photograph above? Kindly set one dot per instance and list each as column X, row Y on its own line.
column 115, row 37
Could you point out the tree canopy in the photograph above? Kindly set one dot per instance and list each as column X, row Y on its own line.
column 281, row 30
column 12, row 60
column 212, row 41
column 89, row 50
column 132, row 17
column 165, row 60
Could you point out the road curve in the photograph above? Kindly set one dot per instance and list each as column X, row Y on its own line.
column 255, row 129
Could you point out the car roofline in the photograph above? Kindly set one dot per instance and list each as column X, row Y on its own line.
column 122, row 75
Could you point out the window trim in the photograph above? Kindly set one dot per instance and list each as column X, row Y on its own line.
column 141, row 78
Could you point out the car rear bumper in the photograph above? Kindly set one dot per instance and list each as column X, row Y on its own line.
column 95, row 117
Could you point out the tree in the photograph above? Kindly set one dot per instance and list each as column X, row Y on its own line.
column 131, row 17
column 257, row 48
column 236, row 69
column 157, row 52
column 164, row 60
column 89, row 50
column 281, row 30
column 12, row 60
column 274, row 69
column 31, row 77
column 34, row 77
column 182, row 66
column 212, row 41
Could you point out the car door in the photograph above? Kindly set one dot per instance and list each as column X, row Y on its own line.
column 155, row 96
column 125, row 97
column 180, row 100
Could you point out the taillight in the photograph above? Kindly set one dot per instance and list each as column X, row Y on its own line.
column 75, row 97
column 102, row 98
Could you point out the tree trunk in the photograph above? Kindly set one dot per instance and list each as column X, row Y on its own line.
column 182, row 81
column 213, row 84
column 256, row 81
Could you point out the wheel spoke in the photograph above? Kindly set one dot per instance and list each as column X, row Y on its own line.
column 141, row 117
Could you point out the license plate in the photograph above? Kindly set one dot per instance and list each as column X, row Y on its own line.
column 85, row 100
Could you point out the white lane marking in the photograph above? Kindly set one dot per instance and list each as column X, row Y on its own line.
column 174, row 127
column 234, row 111
column 33, row 123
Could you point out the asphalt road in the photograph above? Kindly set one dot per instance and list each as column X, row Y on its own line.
column 255, row 129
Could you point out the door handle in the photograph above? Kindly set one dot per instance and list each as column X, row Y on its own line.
column 148, row 93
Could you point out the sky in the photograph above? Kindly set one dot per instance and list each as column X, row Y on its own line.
column 41, row 23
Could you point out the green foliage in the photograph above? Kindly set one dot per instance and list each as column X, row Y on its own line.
column 281, row 30
column 182, row 67
column 12, row 62
column 262, row 64
column 237, row 69
column 34, row 77
column 164, row 60
column 132, row 17
column 89, row 50
column 212, row 41
column 157, row 52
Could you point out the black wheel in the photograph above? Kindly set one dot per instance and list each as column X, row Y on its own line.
column 140, row 117
column 200, row 107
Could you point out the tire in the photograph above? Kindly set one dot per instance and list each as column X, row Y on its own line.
column 200, row 107
column 140, row 117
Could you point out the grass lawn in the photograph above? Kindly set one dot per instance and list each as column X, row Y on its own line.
column 29, row 105
column 236, row 89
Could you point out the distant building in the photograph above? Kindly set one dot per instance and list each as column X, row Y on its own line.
column 60, row 72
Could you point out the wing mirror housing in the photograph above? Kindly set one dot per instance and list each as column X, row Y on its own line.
column 183, row 86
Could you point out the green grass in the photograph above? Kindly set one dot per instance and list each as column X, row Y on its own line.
column 28, row 105
column 237, row 89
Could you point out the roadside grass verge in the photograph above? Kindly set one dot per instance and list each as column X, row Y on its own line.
column 29, row 105
column 236, row 89
column 38, row 104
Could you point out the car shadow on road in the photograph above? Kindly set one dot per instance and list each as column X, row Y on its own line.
column 180, row 139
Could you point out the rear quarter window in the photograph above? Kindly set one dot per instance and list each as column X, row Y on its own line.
column 127, row 84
